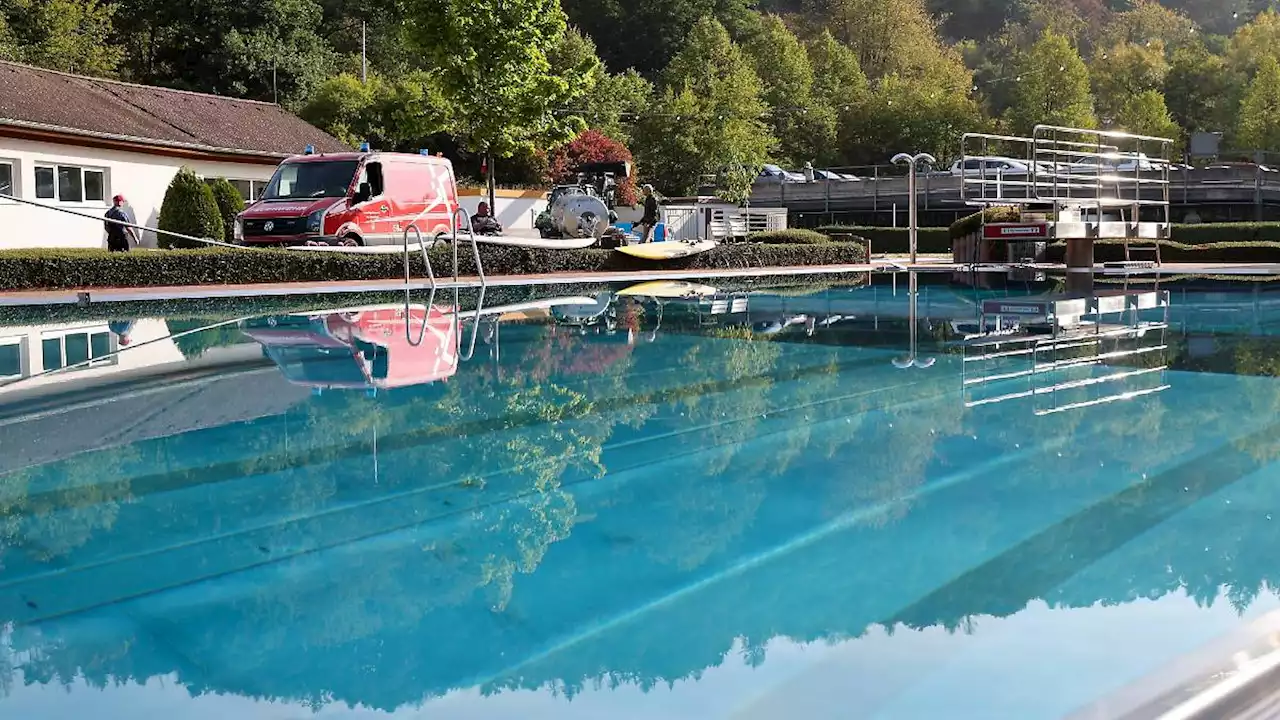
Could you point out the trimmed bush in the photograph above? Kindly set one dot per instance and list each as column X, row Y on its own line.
column 972, row 223
column 1173, row 251
column 1201, row 234
column 66, row 269
column 189, row 208
column 789, row 237
column 935, row 241
column 230, row 203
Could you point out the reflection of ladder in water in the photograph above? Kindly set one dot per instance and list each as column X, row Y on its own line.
column 712, row 308
column 1071, row 351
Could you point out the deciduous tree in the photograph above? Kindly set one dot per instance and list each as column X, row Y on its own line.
column 1145, row 114
column 398, row 114
column 1052, row 87
column 803, row 122
column 1125, row 70
column 710, row 116
column 591, row 146
column 66, row 35
column 1198, row 90
column 1259, row 127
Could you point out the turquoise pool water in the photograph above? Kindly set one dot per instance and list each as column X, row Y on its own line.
column 635, row 508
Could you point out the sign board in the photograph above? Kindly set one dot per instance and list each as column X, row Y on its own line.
column 1205, row 144
column 1015, row 232
column 1015, row 306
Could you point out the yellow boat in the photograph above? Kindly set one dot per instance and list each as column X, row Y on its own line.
column 668, row 289
column 667, row 250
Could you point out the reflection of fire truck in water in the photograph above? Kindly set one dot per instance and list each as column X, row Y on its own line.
column 367, row 347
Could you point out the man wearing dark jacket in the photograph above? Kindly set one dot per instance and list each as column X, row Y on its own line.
column 650, row 219
column 119, row 236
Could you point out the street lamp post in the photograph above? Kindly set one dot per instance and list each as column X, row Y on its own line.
column 912, row 161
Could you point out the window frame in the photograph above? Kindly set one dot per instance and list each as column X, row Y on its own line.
column 19, row 341
column 82, row 171
column 14, row 185
column 108, row 359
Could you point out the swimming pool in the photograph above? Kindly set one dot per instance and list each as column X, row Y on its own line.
column 740, row 502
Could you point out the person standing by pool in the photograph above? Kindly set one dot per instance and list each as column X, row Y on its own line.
column 650, row 219
column 119, row 237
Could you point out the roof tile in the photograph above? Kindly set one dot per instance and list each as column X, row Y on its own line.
column 77, row 104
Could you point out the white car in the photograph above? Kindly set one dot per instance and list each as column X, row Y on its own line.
column 994, row 166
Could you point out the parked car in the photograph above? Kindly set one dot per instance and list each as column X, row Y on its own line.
column 359, row 198
column 993, row 166
column 775, row 174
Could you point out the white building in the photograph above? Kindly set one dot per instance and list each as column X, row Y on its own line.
column 75, row 142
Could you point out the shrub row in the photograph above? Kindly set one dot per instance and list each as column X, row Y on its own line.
column 65, row 269
column 794, row 236
column 894, row 240
column 1174, row 251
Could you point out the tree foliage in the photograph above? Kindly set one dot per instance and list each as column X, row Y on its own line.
column 189, row 208
column 1259, row 127
column 710, row 117
column 591, row 146
column 67, row 35
column 1124, row 71
column 230, row 204
column 1198, row 89
column 1145, row 113
column 1052, row 88
column 400, row 114
column 495, row 73
column 803, row 122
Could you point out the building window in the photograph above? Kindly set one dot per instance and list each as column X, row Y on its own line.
column 11, row 357
column 6, row 178
column 70, row 184
column 250, row 190
column 66, row 350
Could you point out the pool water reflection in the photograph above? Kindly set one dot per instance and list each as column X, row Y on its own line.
column 639, row 508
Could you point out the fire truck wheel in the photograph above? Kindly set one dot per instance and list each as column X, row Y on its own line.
column 349, row 241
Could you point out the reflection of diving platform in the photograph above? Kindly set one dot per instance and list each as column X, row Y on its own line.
column 1068, row 351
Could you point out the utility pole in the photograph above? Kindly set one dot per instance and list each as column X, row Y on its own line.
column 364, row 64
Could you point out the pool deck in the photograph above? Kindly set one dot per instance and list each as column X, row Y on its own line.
column 883, row 264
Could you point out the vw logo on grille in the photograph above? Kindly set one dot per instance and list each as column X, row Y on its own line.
column 269, row 226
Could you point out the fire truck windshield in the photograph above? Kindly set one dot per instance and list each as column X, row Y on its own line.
column 317, row 179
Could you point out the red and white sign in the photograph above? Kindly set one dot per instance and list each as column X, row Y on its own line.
column 1033, row 230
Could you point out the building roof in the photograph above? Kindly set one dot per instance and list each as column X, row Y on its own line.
column 46, row 100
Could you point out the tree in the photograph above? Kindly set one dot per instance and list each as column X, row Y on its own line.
column 66, row 35
column 230, row 204
column 609, row 103
column 1145, row 114
column 805, row 125
column 644, row 36
column 1199, row 90
column 189, row 208
column 492, row 62
column 1259, row 127
column 1254, row 42
column 908, row 116
column 710, row 116
column 390, row 114
column 894, row 37
column 591, row 146
column 1149, row 21
column 1124, row 71
column 1052, row 87
column 838, row 82
column 265, row 50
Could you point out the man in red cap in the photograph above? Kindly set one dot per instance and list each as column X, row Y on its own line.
column 119, row 237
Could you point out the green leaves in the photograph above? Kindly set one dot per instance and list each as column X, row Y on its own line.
column 189, row 208
column 495, row 70
column 1052, row 87
column 710, row 117
column 66, row 35
column 1259, row 126
column 400, row 114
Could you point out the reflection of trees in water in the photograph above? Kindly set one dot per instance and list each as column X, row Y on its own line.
column 64, row 514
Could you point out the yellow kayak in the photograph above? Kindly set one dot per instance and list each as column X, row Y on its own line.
column 668, row 289
column 668, row 250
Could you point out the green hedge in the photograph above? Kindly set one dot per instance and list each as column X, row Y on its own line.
column 789, row 237
column 64, row 269
column 1205, row 233
column 1173, row 251
column 189, row 208
column 971, row 223
column 895, row 240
